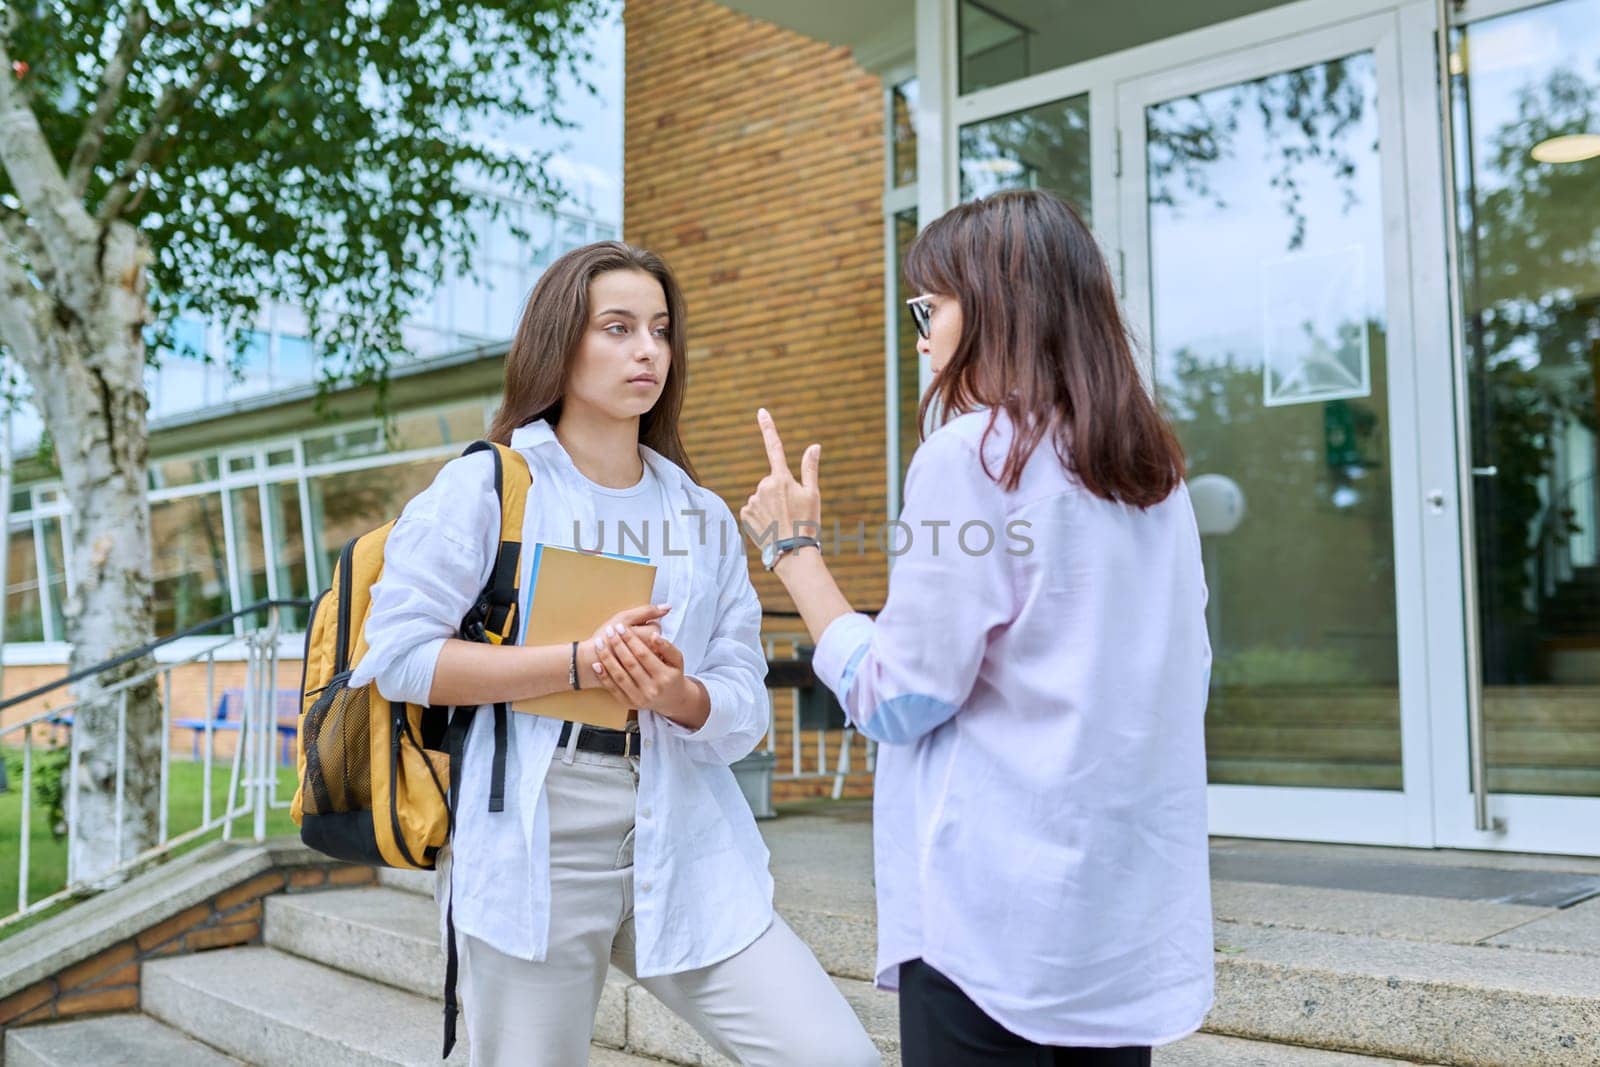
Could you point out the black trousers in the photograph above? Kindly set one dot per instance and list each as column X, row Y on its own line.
column 940, row 1026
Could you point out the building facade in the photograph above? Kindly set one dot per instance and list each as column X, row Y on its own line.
column 1380, row 353
column 1363, row 274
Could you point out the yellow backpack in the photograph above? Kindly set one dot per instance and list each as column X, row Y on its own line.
column 379, row 778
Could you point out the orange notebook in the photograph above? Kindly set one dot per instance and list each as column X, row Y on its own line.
column 571, row 595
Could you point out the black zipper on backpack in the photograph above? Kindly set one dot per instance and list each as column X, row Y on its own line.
column 400, row 728
column 341, row 653
column 305, row 658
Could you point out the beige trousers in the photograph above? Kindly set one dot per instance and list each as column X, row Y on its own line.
column 771, row 1004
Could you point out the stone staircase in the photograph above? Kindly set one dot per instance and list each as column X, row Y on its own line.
column 1307, row 976
column 352, row 977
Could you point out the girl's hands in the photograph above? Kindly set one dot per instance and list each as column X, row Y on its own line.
column 642, row 669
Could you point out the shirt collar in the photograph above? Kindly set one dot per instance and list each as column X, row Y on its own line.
column 539, row 435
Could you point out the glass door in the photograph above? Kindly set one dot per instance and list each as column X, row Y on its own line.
column 1262, row 219
column 1526, row 98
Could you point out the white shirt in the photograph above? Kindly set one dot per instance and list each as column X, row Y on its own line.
column 702, row 891
column 631, row 522
column 1040, row 803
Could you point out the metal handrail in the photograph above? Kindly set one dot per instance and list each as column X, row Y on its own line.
column 252, row 781
column 798, row 770
column 144, row 650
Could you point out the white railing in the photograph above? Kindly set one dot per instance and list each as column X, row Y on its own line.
column 252, row 778
column 786, row 646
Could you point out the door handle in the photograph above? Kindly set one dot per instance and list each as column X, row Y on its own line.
column 1490, row 471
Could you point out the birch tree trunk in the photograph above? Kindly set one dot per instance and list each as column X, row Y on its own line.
column 73, row 307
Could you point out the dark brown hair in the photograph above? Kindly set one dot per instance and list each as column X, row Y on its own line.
column 552, row 327
column 1043, row 340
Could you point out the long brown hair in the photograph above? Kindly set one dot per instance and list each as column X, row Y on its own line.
column 552, row 327
column 1042, row 339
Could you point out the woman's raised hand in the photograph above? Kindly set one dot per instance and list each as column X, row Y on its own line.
column 782, row 507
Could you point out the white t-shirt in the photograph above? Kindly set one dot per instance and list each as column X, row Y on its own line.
column 632, row 522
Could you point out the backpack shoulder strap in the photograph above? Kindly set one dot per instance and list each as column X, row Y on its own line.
column 512, row 479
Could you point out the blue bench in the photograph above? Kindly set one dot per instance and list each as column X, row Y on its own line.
column 287, row 703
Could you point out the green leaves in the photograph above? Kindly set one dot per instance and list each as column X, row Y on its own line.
column 312, row 153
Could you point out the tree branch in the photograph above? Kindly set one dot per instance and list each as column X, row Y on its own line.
column 23, row 307
column 174, row 98
column 115, row 76
column 63, row 226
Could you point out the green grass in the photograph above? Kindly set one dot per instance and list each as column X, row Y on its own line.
column 47, row 859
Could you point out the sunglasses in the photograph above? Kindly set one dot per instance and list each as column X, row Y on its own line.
column 921, row 315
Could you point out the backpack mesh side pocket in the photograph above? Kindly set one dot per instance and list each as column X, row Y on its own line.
column 337, row 738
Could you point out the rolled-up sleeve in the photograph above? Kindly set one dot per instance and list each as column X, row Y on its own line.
column 910, row 671
column 435, row 561
column 734, row 669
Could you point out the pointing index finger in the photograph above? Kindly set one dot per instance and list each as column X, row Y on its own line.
column 769, row 433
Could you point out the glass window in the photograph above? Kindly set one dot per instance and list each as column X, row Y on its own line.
column 348, row 504
column 1269, row 339
column 286, row 535
column 189, row 567
column 296, row 360
column 248, row 545
column 1003, row 40
column 1528, row 111
column 344, row 444
column 903, row 133
column 908, row 361
column 457, row 425
column 276, row 545
column 168, row 473
column 24, row 612
column 252, row 370
column 1044, row 147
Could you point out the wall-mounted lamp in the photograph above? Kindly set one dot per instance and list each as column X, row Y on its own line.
column 1573, row 148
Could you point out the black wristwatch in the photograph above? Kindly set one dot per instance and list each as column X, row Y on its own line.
column 773, row 551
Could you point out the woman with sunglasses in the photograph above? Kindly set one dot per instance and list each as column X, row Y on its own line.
column 1037, row 677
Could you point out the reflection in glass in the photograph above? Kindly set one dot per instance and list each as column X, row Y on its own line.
column 189, row 568
column 287, row 538
column 24, row 614
column 350, row 503
column 1003, row 40
column 1045, row 147
column 907, row 360
column 1269, row 351
column 903, row 133
column 169, row 473
column 457, row 425
column 1530, row 249
column 249, row 550
column 52, row 534
column 282, row 536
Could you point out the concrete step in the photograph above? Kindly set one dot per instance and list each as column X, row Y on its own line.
column 1465, row 1005
column 420, row 882
column 392, row 936
column 109, row 1041
column 277, row 1010
column 1209, row 1050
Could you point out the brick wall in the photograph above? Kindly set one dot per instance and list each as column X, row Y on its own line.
column 755, row 167
column 109, row 980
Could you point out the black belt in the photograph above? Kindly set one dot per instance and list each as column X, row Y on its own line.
column 599, row 739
